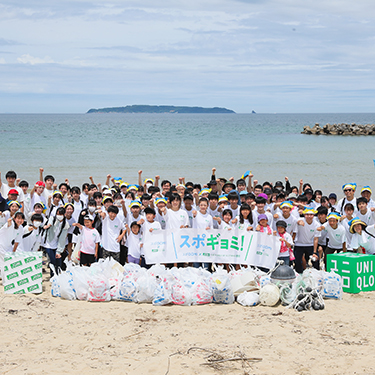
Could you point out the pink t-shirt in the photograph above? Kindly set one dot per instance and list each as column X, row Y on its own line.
column 90, row 237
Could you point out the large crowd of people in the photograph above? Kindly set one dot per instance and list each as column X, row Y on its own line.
column 114, row 218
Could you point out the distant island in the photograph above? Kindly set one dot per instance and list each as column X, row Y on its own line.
column 159, row 109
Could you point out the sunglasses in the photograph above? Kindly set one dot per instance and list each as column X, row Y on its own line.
column 346, row 190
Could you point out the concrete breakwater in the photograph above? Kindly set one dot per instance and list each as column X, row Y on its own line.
column 340, row 129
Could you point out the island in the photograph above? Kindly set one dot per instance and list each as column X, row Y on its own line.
column 159, row 109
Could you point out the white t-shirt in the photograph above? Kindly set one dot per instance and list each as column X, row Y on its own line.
column 288, row 238
column 190, row 215
column 348, row 235
column 291, row 223
column 78, row 207
column 5, row 190
column 37, row 199
column 268, row 214
column 340, row 206
column 225, row 226
column 110, row 231
column 214, row 213
column 8, row 235
column 203, row 221
column 365, row 240
column 307, row 233
column 368, row 217
column 31, row 239
column 336, row 237
column 133, row 242
column 160, row 219
column 235, row 212
column 176, row 219
column 47, row 193
column 246, row 222
column 89, row 239
column 323, row 234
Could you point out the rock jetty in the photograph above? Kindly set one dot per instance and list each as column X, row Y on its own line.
column 340, row 129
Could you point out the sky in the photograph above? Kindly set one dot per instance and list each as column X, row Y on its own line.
column 270, row 56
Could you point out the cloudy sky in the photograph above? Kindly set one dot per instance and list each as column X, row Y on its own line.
column 263, row 55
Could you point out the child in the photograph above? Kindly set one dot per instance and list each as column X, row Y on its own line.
column 54, row 202
column 286, row 208
column 286, row 241
column 335, row 234
column 31, row 238
column 24, row 185
column 363, row 240
column 226, row 222
column 76, row 201
column 111, row 233
column 260, row 209
column 175, row 217
column 322, row 240
column 263, row 226
column 364, row 213
column 233, row 203
column 189, row 207
column 349, row 211
column 11, row 177
column 246, row 219
column 90, row 239
column 36, row 193
column 55, row 238
column 133, row 242
column 213, row 208
column 306, row 243
column 201, row 218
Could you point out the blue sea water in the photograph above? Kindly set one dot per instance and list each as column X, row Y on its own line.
column 77, row 146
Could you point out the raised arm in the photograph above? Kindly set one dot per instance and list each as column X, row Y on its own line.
column 140, row 178
column 157, row 178
column 41, row 170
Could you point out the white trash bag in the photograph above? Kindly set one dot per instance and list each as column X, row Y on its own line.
column 55, row 282
column 332, row 286
column 248, row 299
column 221, row 287
column 67, row 286
column 99, row 289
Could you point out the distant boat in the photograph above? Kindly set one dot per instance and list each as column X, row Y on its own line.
column 253, row 111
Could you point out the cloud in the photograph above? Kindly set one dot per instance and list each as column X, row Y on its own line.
column 28, row 59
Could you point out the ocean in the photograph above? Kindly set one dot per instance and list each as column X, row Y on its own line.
column 76, row 146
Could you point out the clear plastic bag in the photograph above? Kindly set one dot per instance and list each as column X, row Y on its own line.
column 127, row 290
column 55, row 282
column 332, row 286
column 67, row 286
column 201, row 292
column 162, row 295
column 248, row 299
column 146, row 286
column 80, row 280
column 180, row 294
column 98, row 289
column 221, row 287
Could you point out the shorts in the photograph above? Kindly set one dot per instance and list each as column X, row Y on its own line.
column 86, row 259
column 114, row 255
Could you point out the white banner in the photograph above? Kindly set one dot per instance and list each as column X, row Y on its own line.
column 211, row 246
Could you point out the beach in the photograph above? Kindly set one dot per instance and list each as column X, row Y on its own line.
column 41, row 334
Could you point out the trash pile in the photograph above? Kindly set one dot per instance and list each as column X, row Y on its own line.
column 107, row 280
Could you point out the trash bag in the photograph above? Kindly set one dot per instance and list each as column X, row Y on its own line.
column 221, row 287
column 55, row 282
column 332, row 285
column 287, row 293
column 180, row 294
column 127, row 290
column 269, row 295
column 80, row 282
column 201, row 292
column 67, row 286
column 248, row 299
column 98, row 289
column 146, row 286
column 162, row 294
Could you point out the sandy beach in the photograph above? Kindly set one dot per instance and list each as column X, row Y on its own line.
column 41, row 334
